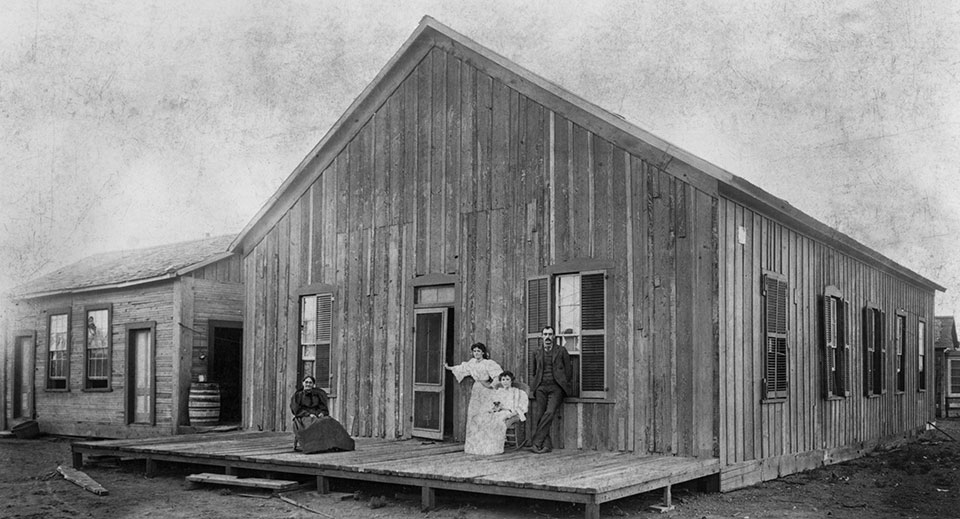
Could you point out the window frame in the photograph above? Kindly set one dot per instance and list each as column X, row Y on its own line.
column 922, row 368
column 51, row 313
column 836, row 370
column 86, row 348
column 900, row 352
column 316, row 291
column 951, row 362
column 581, row 268
column 775, row 395
column 875, row 357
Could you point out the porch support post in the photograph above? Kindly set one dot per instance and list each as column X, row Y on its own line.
column 151, row 468
column 428, row 499
column 591, row 511
column 667, row 501
column 323, row 484
column 77, row 460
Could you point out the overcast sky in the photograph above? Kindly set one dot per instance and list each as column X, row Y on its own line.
column 130, row 124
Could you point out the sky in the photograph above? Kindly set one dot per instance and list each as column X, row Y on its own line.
column 132, row 124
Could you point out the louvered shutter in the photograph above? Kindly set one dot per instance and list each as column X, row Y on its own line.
column 869, row 351
column 881, row 363
column 843, row 345
column 775, row 375
column 324, row 333
column 593, row 324
column 538, row 316
column 829, row 345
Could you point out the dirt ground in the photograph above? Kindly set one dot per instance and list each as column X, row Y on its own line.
column 916, row 479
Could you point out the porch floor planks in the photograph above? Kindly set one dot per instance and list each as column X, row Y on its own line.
column 562, row 475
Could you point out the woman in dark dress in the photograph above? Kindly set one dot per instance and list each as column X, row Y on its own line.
column 311, row 401
column 313, row 428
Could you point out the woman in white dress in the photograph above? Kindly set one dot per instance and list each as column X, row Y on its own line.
column 506, row 405
column 485, row 373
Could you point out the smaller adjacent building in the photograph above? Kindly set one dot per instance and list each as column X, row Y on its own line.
column 109, row 346
column 947, row 355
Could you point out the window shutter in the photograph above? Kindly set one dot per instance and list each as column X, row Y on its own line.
column 843, row 338
column 775, row 376
column 881, row 366
column 829, row 320
column 869, row 351
column 324, row 327
column 538, row 316
column 593, row 319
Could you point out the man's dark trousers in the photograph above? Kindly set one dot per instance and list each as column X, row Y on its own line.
column 548, row 398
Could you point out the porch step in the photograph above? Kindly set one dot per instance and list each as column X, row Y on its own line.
column 277, row 485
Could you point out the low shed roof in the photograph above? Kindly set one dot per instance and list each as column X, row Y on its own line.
column 946, row 333
column 128, row 267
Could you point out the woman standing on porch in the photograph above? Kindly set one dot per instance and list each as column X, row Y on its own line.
column 485, row 373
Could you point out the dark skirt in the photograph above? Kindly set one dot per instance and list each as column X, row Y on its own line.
column 321, row 435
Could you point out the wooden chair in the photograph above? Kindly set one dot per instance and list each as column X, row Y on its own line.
column 516, row 431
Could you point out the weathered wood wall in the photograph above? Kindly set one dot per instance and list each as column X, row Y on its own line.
column 88, row 413
column 762, row 439
column 458, row 173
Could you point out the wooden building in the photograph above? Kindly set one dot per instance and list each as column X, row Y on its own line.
column 462, row 198
column 109, row 346
column 947, row 367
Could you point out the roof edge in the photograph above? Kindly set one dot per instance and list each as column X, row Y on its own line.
column 94, row 288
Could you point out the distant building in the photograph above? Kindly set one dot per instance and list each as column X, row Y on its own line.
column 109, row 346
column 947, row 355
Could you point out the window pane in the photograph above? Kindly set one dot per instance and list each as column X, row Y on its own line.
column 428, row 348
column 309, row 352
column 308, row 320
column 955, row 377
column 435, row 294
column 920, row 338
column 568, row 304
column 571, row 343
column 58, row 332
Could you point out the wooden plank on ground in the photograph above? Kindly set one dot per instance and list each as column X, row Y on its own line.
column 81, row 479
column 222, row 479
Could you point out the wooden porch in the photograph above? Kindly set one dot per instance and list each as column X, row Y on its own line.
column 587, row 477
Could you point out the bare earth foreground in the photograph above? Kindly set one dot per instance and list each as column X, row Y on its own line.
column 915, row 479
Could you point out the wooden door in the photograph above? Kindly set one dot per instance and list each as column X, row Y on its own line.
column 430, row 344
column 23, row 376
column 140, row 381
column 225, row 358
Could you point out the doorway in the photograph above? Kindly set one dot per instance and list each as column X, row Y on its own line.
column 23, row 381
column 141, row 395
column 433, row 397
column 225, row 366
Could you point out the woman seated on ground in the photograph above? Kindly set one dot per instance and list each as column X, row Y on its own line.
column 484, row 373
column 504, row 406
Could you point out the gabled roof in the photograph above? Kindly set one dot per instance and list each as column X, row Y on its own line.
column 125, row 268
column 946, row 333
column 662, row 154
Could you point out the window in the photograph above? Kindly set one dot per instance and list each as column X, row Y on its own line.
column 775, row 373
column 98, row 349
column 574, row 303
column 58, row 345
column 316, row 326
column 836, row 346
column 874, row 351
column 921, row 355
column 901, row 373
column 953, row 387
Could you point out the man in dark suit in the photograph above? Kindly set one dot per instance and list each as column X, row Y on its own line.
column 552, row 381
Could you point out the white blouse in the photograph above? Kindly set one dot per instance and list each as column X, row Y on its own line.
column 480, row 370
column 513, row 399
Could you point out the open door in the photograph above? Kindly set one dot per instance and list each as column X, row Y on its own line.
column 431, row 338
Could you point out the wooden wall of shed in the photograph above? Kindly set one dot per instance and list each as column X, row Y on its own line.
column 458, row 173
column 806, row 422
column 227, row 270
column 86, row 413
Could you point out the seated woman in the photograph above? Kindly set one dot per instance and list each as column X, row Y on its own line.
column 484, row 373
column 313, row 429
column 505, row 406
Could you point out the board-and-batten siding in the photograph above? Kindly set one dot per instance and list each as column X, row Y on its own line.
column 762, row 437
column 457, row 173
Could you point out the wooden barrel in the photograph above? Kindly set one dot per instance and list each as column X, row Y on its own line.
column 204, row 404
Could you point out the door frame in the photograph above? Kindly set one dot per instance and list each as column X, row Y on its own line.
column 129, row 394
column 426, row 387
column 29, row 368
